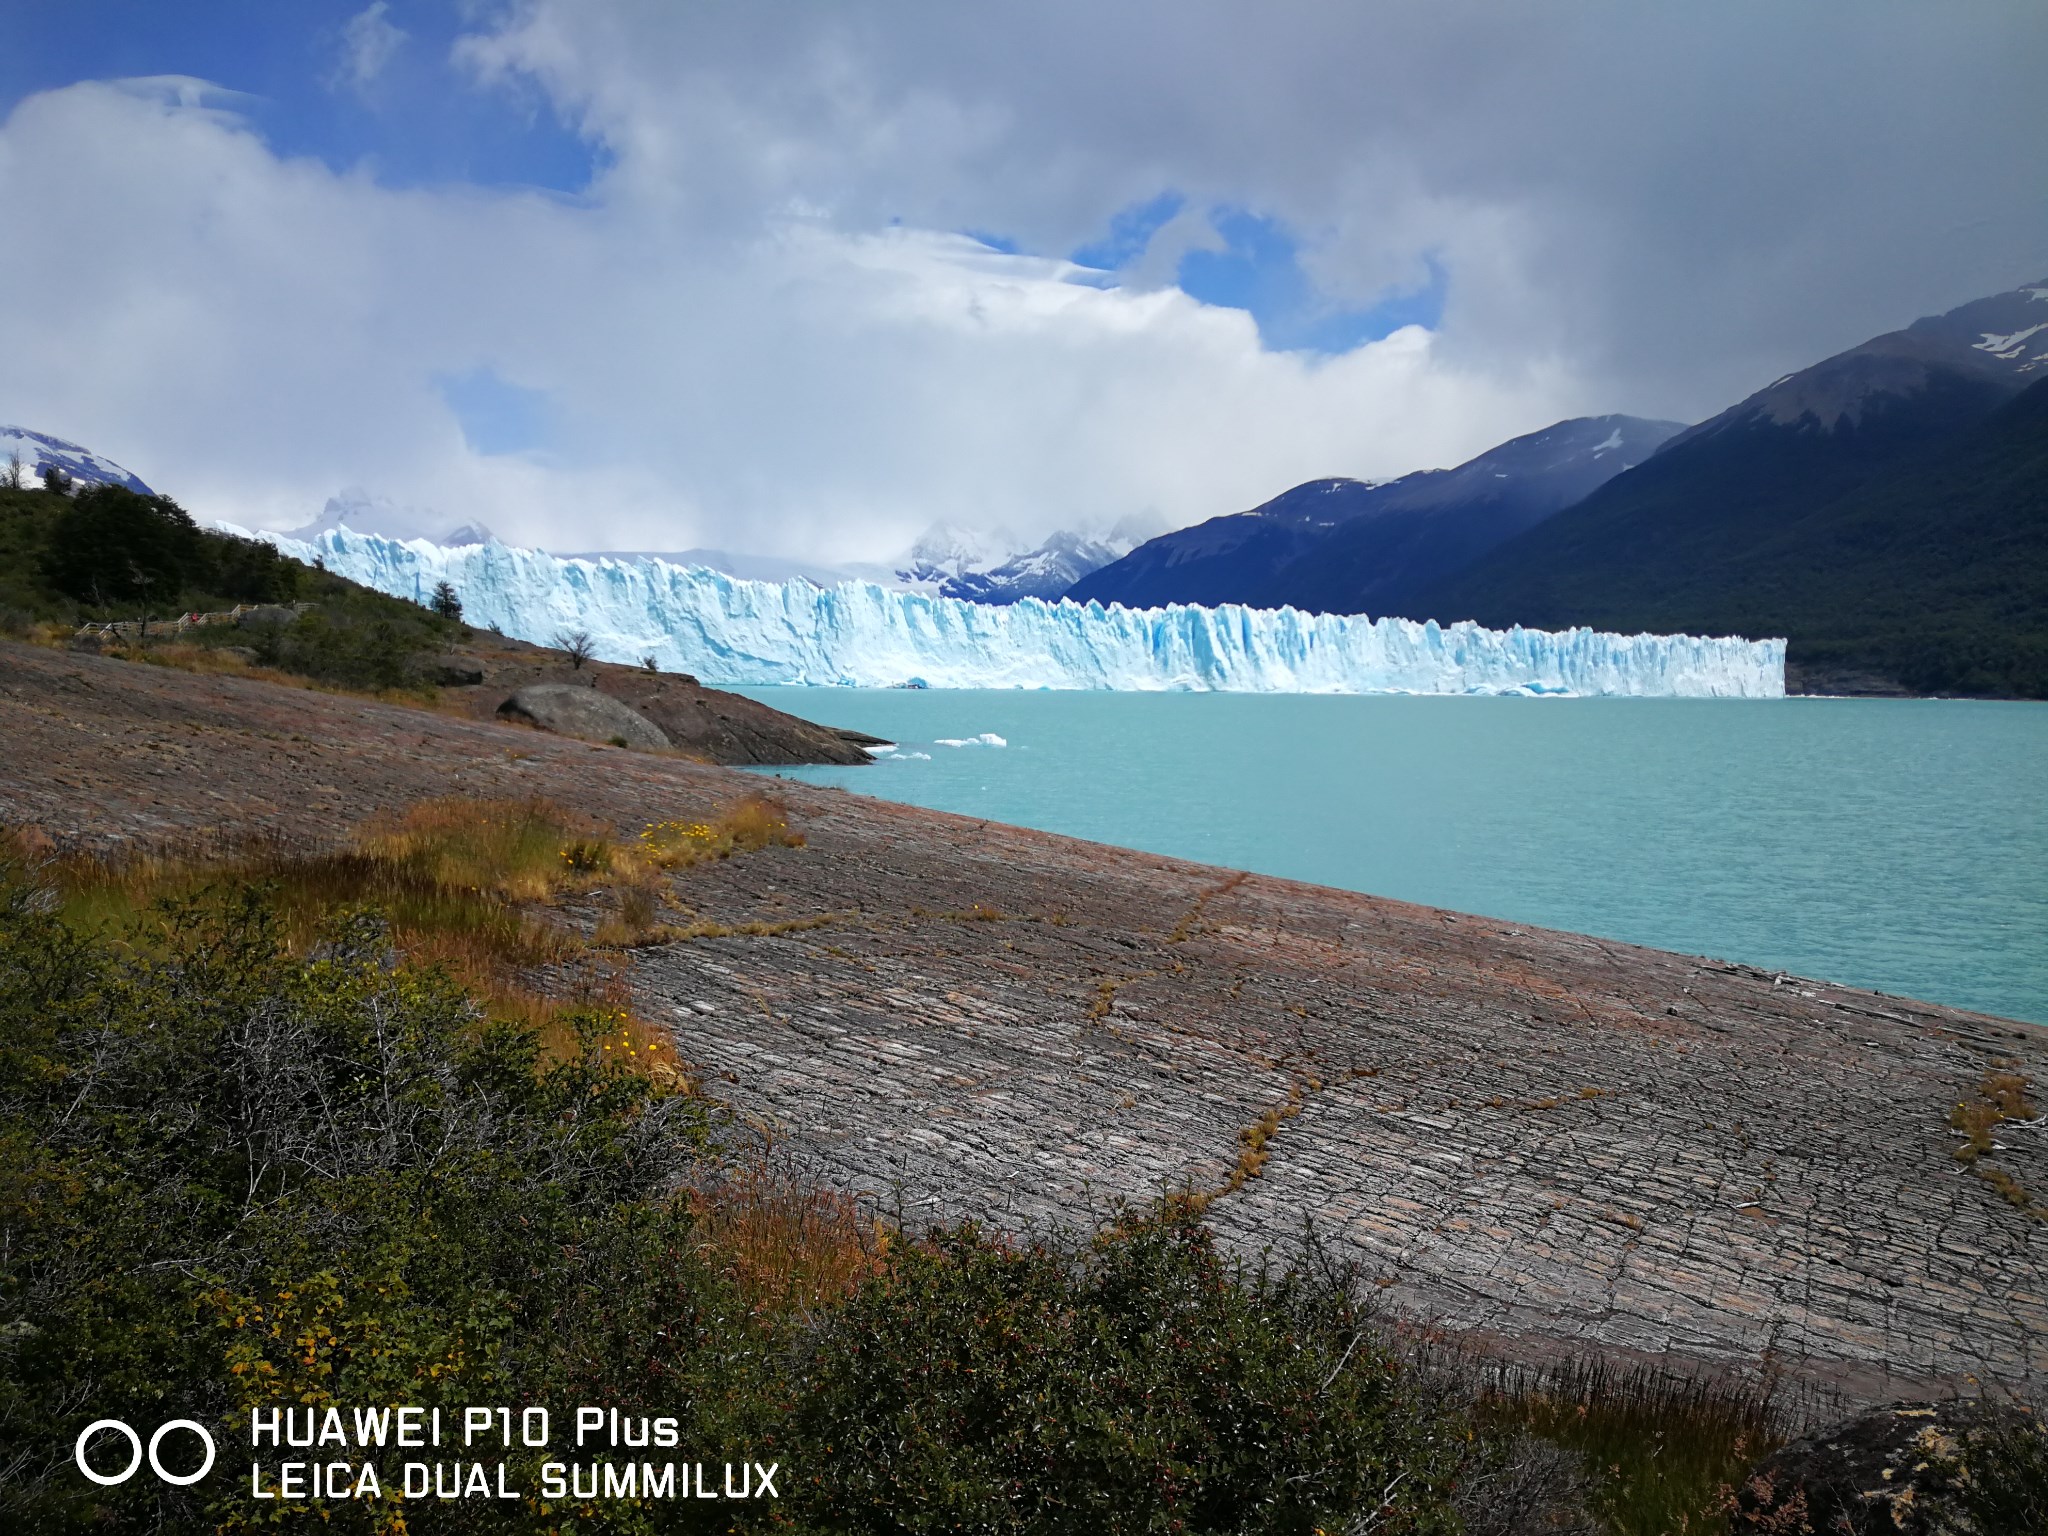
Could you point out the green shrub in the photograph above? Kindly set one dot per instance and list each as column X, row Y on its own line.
column 236, row 1179
column 1140, row 1382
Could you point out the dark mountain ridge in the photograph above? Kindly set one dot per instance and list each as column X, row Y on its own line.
column 1350, row 546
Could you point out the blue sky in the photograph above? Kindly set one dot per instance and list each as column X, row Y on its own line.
column 419, row 121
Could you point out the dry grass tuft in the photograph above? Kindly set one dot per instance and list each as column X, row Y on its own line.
column 2000, row 1096
column 1252, row 1140
column 464, row 885
column 1665, row 1452
column 793, row 1247
column 221, row 661
column 751, row 824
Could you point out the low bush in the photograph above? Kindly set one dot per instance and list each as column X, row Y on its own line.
column 1139, row 1382
column 238, row 1174
column 238, row 1177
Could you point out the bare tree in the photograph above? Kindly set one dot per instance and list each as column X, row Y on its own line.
column 10, row 478
column 576, row 643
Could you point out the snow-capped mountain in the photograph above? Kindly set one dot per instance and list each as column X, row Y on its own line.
column 1879, row 508
column 944, row 553
column 747, row 567
column 357, row 508
column 1953, row 365
column 992, row 568
column 38, row 451
column 730, row 632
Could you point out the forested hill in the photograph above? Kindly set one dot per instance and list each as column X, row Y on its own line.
column 1906, row 547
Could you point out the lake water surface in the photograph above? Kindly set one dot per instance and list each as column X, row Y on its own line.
column 1900, row 845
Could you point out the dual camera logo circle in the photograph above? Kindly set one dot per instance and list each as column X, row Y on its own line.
column 175, row 1479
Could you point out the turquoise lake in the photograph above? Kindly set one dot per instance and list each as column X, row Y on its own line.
column 1900, row 845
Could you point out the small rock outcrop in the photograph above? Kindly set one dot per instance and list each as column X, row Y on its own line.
column 568, row 709
column 1911, row 1469
column 728, row 728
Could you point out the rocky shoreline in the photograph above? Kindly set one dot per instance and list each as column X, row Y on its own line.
column 1536, row 1142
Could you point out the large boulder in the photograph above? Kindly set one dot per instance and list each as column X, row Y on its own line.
column 1911, row 1469
column 568, row 709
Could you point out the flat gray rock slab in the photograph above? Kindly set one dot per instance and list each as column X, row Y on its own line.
column 569, row 709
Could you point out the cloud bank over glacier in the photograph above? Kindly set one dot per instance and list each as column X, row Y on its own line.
column 791, row 388
column 734, row 303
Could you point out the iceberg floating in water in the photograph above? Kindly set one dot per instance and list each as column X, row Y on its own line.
column 734, row 632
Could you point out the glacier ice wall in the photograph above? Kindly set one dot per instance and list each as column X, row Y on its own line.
column 730, row 631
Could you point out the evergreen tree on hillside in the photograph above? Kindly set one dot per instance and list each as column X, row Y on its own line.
column 113, row 546
column 444, row 602
column 109, row 547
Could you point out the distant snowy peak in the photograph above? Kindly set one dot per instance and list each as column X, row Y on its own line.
column 989, row 567
column 1045, row 572
column 38, row 452
column 358, row 509
column 943, row 550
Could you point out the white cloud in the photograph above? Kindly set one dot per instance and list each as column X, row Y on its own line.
column 252, row 332
column 370, row 40
column 1682, row 202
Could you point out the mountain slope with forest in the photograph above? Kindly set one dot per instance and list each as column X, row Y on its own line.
column 1883, row 510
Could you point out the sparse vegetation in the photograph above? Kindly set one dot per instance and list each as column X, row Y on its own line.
column 462, row 884
column 1998, row 1478
column 236, row 1175
column 1661, row 1453
column 576, row 644
column 244, row 1171
column 1136, row 1381
column 2001, row 1096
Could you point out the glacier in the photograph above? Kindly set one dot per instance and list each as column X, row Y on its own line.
column 733, row 632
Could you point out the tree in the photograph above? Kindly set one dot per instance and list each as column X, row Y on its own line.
column 111, row 545
column 10, row 477
column 54, row 479
column 576, row 643
column 444, row 602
